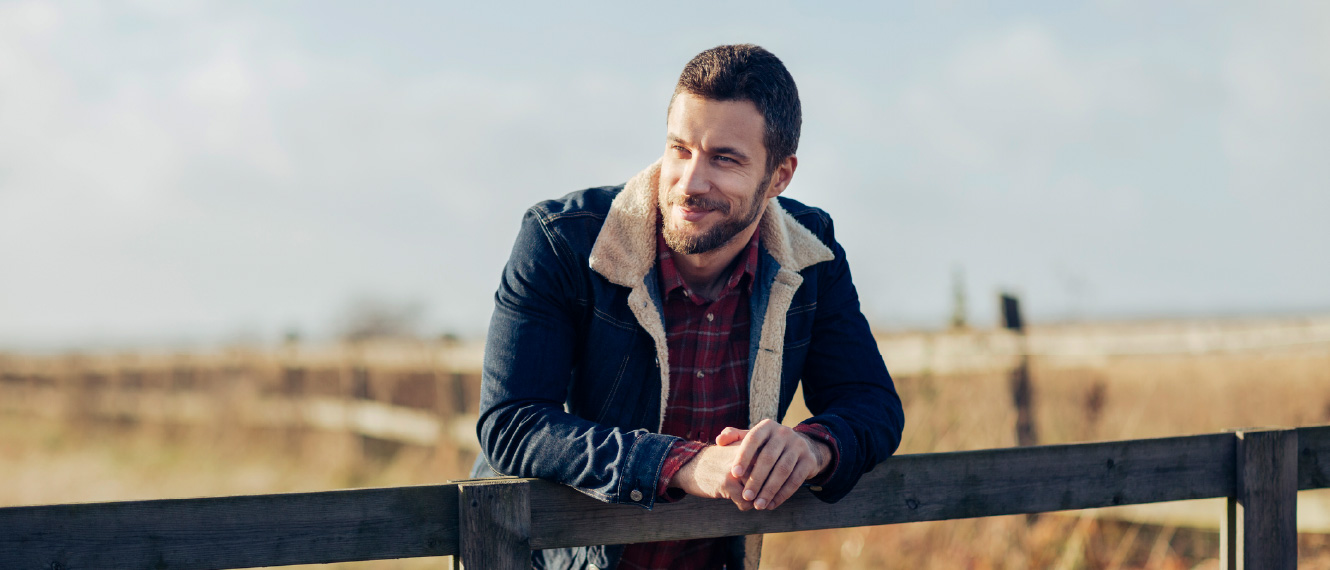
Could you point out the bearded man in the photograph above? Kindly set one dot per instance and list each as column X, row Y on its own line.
column 648, row 338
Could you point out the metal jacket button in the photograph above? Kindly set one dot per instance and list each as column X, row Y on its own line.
column 635, row 495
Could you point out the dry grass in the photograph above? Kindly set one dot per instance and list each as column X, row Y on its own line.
column 47, row 461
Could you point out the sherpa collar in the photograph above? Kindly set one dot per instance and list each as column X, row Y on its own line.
column 625, row 250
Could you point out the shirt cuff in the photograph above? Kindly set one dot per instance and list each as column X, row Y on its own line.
column 681, row 452
column 822, row 434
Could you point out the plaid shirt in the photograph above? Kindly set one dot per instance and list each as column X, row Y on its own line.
column 708, row 345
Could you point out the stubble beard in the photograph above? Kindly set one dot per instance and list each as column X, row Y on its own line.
column 718, row 235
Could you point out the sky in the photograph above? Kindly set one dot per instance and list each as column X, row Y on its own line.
column 210, row 172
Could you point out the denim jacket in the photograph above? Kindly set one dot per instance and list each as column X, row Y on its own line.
column 576, row 380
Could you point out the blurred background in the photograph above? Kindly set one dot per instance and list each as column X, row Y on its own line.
column 251, row 247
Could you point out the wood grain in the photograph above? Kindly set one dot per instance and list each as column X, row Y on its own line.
column 912, row 488
column 233, row 532
column 1267, row 493
column 495, row 525
column 369, row 524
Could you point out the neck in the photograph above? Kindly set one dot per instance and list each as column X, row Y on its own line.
column 704, row 273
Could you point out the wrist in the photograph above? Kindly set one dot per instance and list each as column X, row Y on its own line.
column 821, row 453
column 685, row 478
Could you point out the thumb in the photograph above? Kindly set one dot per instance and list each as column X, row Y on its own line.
column 730, row 435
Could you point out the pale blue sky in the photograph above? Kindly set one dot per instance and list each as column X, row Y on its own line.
column 210, row 171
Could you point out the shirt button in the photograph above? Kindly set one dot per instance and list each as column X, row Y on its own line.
column 710, row 317
column 635, row 495
column 815, row 488
column 700, row 374
column 592, row 567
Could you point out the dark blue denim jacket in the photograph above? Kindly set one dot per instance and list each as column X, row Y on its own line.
column 573, row 389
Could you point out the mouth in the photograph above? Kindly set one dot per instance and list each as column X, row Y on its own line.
column 693, row 214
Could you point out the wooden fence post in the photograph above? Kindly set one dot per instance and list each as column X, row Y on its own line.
column 1022, row 391
column 1262, row 528
column 494, row 526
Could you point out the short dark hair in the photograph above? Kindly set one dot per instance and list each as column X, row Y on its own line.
column 745, row 72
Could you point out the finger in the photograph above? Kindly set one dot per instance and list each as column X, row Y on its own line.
column 781, row 472
column 733, row 491
column 766, row 460
column 730, row 435
column 753, row 443
column 791, row 485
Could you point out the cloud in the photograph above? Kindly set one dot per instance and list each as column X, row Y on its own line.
column 201, row 167
column 223, row 172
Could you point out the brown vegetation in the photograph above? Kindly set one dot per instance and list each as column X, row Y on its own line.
column 57, row 450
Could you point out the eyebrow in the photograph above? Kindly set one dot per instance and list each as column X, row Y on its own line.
column 718, row 150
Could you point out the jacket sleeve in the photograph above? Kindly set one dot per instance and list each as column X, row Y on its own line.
column 523, row 428
column 846, row 384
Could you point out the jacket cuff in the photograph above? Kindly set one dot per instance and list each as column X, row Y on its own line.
column 637, row 486
column 840, row 481
column 820, row 433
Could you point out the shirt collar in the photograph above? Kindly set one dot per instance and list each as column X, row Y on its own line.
column 670, row 279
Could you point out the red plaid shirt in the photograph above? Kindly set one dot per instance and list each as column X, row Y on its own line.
column 708, row 345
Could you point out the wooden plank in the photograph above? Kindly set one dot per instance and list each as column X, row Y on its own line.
column 911, row 488
column 233, row 532
column 495, row 524
column 1267, row 493
column 1314, row 457
column 1228, row 535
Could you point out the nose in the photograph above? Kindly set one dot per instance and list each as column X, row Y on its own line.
column 694, row 180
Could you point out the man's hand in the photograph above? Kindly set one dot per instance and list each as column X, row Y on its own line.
column 773, row 461
column 708, row 474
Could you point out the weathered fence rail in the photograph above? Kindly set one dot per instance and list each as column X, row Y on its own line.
column 495, row 523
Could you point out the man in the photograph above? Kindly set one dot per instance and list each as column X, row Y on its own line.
column 648, row 338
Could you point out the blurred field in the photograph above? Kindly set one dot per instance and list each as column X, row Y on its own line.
column 69, row 433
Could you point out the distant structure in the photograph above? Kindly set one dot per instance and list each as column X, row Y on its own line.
column 1022, row 391
column 958, row 319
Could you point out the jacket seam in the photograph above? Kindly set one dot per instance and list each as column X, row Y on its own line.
column 656, row 478
column 802, row 309
column 561, row 249
column 555, row 216
column 632, row 448
column 613, row 321
column 798, row 345
column 618, row 379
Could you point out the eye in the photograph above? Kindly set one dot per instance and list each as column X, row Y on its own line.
column 724, row 158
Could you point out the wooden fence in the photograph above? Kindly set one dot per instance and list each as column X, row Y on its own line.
column 496, row 523
column 411, row 397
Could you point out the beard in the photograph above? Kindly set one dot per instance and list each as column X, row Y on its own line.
column 718, row 235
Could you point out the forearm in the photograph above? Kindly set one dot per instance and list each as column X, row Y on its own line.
column 529, row 440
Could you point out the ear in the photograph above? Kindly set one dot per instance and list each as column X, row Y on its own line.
column 780, row 179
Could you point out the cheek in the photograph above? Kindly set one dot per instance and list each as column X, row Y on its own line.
column 668, row 176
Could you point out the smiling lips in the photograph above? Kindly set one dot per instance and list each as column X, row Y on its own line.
column 694, row 208
column 693, row 214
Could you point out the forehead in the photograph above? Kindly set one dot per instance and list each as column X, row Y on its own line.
column 710, row 123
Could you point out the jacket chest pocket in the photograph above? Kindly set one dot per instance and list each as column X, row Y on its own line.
column 617, row 370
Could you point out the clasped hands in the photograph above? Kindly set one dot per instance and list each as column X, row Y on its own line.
column 757, row 468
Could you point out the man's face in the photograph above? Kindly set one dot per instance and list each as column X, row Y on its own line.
column 713, row 178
